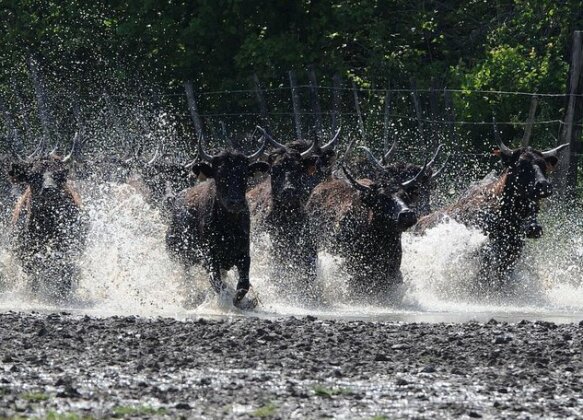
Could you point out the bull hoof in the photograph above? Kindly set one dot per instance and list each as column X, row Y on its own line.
column 534, row 231
column 246, row 303
column 240, row 295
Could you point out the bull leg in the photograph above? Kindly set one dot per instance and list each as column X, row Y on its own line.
column 215, row 279
column 243, row 284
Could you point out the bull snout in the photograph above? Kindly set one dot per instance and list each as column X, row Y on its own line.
column 235, row 205
column 406, row 219
column 289, row 193
column 534, row 231
column 543, row 189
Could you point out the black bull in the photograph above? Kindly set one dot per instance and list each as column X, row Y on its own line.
column 210, row 222
column 362, row 222
column 504, row 209
column 48, row 228
column 278, row 207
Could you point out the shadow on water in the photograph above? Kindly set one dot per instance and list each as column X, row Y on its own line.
column 125, row 270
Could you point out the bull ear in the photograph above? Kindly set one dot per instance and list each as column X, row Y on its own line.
column 551, row 163
column 203, row 170
column 310, row 164
column 61, row 176
column 506, row 155
column 258, row 167
column 328, row 158
column 18, row 172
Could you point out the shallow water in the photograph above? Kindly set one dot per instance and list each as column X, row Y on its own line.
column 126, row 271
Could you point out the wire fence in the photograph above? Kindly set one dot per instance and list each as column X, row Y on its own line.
column 418, row 117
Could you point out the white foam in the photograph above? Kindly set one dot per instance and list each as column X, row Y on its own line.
column 126, row 270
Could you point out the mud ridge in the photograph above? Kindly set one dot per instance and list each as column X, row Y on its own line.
column 69, row 366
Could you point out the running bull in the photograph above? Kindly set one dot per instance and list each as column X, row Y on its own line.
column 210, row 222
column 504, row 208
column 362, row 221
column 48, row 226
column 278, row 208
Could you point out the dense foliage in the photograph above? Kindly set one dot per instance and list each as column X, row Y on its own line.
column 87, row 47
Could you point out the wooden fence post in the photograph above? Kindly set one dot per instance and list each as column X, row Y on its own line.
column 315, row 100
column 358, row 113
column 571, row 128
column 260, row 95
column 21, row 108
column 387, row 120
column 41, row 99
column 529, row 122
column 296, row 104
column 450, row 115
column 192, row 107
column 337, row 85
column 434, row 125
column 417, row 107
column 13, row 132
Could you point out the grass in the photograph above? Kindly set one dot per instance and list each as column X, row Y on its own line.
column 379, row 418
column 322, row 391
column 122, row 410
column 35, row 396
column 267, row 410
column 53, row 415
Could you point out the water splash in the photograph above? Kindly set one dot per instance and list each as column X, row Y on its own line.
column 126, row 270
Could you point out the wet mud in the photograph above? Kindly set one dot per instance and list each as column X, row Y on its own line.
column 73, row 366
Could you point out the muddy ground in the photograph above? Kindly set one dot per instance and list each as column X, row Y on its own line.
column 71, row 366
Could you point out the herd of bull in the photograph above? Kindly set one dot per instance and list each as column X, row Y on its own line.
column 307, row 201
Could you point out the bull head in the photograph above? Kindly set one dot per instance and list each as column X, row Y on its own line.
column 207, row 169
column 381, row 166
column 386, row 200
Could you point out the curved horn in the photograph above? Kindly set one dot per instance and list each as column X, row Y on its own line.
column 371, row 158
column 260, row 151
column 391, row 150
column 505, row 150
column 553, row 152
column 414, row 180
column 53, row 152
column 73, row 147
column 36, row 151
column 332, row 143
column 353, row 181
column 155, row 157
column 310, row 149
column 270, row 139
column 204, row 155
column 440, row 170
column 432, row 161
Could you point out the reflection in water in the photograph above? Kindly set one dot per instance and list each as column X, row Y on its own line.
column 126, row 271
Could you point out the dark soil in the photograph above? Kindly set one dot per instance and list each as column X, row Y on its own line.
column 68, row 366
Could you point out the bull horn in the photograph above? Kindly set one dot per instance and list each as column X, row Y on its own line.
column 309, row 150
column 505, row 150
column 73, row 147
column 53, row 152
column 332, row 143
column 36, row 151
column 270, row 139
column 432, row 161
column 260, row 151
column 553, row 152
column 388, row 152
column 353, row 181
column 155, row 157
column 349, row 149
column 371, row 158
column 201, row 152
column 415, row 179
column 440, row 170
